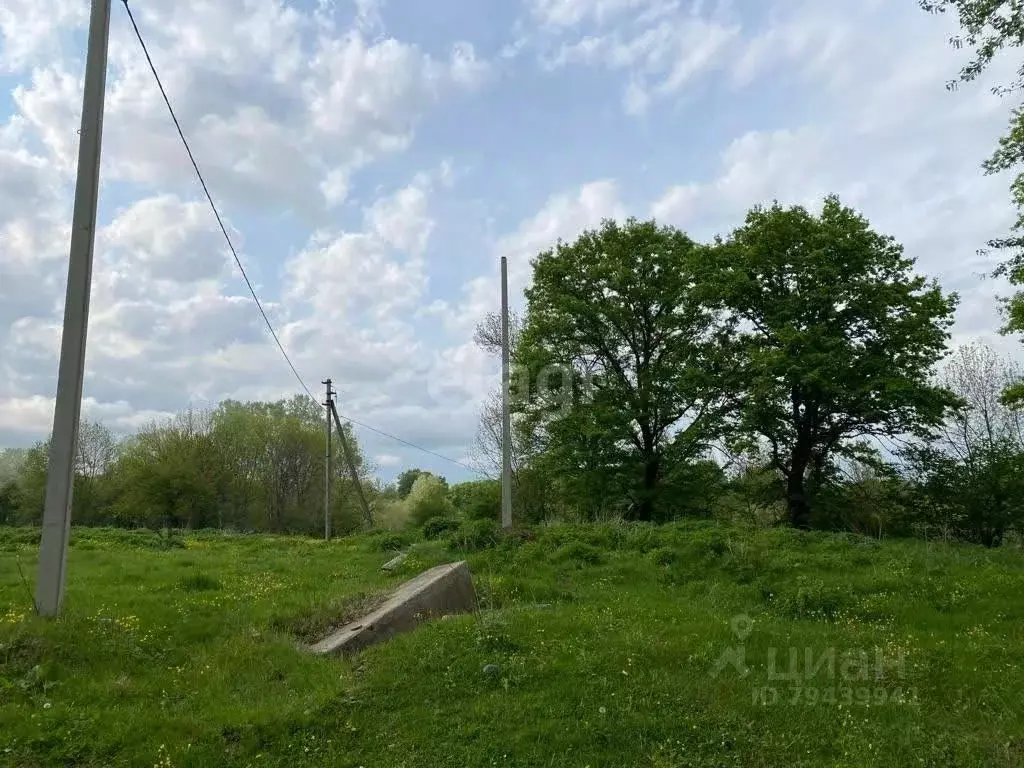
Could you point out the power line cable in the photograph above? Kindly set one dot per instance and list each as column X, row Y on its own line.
column 411, row 445
column 238, row 260
column 213, row 205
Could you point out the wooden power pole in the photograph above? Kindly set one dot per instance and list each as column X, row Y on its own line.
column 53, row 546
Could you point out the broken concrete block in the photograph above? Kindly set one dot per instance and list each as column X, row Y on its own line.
column 443, row 590
column 394, row 562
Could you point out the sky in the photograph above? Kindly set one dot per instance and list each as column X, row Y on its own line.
column 374, row 160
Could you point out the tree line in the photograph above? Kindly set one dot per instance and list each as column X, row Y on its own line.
column 790, row 370
column 242, row 466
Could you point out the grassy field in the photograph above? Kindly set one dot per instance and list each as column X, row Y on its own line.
column 687, row 645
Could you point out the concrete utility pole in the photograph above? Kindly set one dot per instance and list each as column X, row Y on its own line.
column 328, row 475
column 350, row 460
column 53, row 545
column 506, row 420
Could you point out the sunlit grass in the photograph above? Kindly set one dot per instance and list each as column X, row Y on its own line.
column 608, row 645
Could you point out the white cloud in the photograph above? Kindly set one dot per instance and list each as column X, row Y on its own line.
column 388, row 460
column 662, row 48
column 308, row 113
column 276, row 109
column 165, row 238
column 353, row 273
column 563, row 216
column 402, row 220
column 29, row 28
column 568, row 13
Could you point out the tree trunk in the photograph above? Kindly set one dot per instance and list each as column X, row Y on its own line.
column 796, row 495
column 645, row 504
column 799, row 509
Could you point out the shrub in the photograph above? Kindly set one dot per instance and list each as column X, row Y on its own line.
column 391, row 514
column 438, row 527
column 391, row 542
column 427, row 499
column 690, row 489
column 477, row 499
column 474, row 534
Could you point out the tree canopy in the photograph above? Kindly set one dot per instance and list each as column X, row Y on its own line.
column 838, row 337
column 623, row 358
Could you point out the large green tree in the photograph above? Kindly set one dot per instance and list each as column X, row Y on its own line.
column 838, row 337
column 617, row 308
column 988, row 27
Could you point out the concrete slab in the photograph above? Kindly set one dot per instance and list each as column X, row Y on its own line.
column 394, row 562
column 443, row 590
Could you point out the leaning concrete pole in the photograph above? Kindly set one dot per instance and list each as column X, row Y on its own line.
column 353, row 471
column 506, row 420
column 67, row 410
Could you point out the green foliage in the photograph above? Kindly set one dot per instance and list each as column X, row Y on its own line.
column 622, row 360
column 405, row 481
column 439, row 527
column 691, row 489
column 427, row 499
column 199, row 582
column 980, row 500
column 578, row 552
column 969, row 478
column 10, row 502
column 32, row 485
column 531, row 495
column 664, row 556
column 837, row 337
column 477, row 499
column 392, row 542
column 474, row 535
column 755, row 495
column 241, row 466
column 871, row 504
column 390, row 514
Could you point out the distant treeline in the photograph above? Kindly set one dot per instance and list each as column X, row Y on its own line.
column 245, row 466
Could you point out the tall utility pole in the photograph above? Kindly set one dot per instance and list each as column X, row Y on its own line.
column 506, row 420
column 328, row 474
column 53, row 545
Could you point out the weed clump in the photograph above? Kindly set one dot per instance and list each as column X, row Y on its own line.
column 199, row 582
column 473, row 535
column 580, row 553
column 391, row 542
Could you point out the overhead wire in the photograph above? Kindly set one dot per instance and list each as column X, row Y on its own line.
column 238, row 260
column 209, row 198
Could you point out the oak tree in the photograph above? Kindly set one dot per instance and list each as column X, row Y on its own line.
column 838, row 337
column 615, row 314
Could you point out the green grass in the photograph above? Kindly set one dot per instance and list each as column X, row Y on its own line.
column 606, row 639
